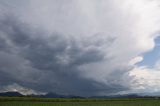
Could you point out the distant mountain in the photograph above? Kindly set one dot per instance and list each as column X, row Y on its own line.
column 52, row 95
column 11, row 94
column 118, row 96
column 48, row 95
column 55, row 95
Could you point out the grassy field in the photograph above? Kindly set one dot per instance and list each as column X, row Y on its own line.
column 26, row 101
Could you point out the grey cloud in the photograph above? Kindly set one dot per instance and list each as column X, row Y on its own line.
column 50, row 63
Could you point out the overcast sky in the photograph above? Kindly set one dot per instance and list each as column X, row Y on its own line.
column 80, row 47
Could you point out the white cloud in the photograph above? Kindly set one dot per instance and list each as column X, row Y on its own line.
column 146, row 80
column 136, row 60
column 17, row 88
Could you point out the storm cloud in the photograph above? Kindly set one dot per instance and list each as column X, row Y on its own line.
column 80, row 47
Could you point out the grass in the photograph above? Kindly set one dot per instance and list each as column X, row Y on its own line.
column 30, row 101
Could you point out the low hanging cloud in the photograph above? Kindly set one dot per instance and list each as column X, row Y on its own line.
column 81, row 47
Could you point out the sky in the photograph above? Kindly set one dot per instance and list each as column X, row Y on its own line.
column 151, row 57
column 80, row 47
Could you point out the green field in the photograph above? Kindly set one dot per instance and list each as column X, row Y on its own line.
column 29, row 101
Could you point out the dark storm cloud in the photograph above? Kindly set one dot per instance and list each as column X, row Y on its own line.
column 47, row 63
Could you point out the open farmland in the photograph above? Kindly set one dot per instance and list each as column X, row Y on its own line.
column 29, row 101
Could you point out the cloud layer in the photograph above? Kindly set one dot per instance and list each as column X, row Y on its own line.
column 82, row 47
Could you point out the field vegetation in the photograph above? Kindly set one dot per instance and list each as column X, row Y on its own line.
column 32, row 101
